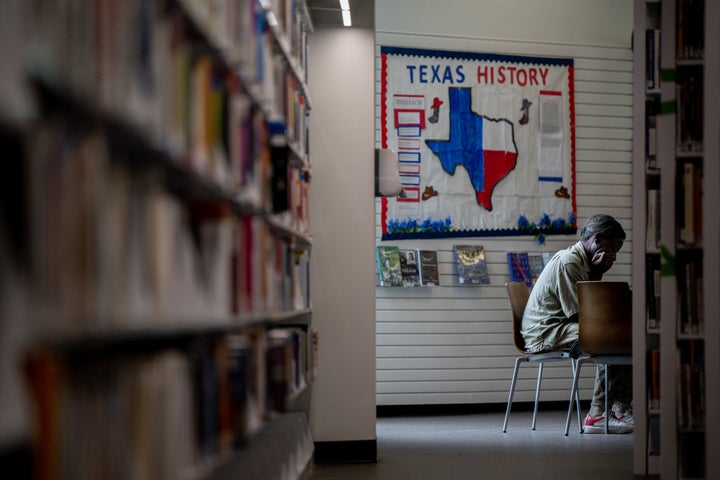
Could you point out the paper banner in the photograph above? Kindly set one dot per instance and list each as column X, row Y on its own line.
column 485, row 143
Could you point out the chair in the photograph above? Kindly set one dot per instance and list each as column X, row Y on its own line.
column 518, row 294
column 604, row 331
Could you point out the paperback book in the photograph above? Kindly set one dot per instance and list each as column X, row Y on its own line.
column 471, row 265
column 519, row 267
column 409, row 268
column 428, row 263
column 388, row 265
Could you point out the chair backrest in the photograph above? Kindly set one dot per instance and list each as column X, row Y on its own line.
column 518, row 293
column 605, row 318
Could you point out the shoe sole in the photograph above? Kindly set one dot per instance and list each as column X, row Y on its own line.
column 614, row 430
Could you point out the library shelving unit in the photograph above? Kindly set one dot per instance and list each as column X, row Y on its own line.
column 646, row 236
column 154, row 213
column 676, row 265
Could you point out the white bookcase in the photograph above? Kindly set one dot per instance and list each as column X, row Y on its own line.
column 678, row 438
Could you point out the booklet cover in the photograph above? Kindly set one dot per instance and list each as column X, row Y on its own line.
column 471, row 265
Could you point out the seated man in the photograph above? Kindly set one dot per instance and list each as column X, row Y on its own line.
column 550, row 320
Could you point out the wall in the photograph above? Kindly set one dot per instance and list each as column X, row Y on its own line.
column 341, row 211
column 569, row 22
column 452, row 344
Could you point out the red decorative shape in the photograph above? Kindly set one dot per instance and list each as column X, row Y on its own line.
column 497, row 164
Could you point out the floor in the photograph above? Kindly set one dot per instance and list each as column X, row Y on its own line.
column 472, row 446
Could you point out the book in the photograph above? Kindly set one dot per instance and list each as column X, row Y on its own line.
column 537, row 262
column 428, row 263
column 388, row 265
column 653, row 214
column 652, row 59
column 654, row 386
column 409, row 268
column 652, row 290
column 519, row 267
column 471, row 265
column 651, row 111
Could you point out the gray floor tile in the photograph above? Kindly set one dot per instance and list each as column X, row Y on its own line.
column 472, row 446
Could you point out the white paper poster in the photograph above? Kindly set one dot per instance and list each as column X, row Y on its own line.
column 485, row 143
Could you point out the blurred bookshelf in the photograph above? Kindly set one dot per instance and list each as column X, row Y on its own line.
column 155, row 239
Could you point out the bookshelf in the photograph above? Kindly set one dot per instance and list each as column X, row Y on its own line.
column 162, row 238
column 647, row 208
column 676, row 337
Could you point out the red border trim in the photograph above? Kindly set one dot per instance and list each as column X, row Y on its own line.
column 571, row 93
column 383, row 133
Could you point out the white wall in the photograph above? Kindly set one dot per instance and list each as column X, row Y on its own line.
column 342, row 216
column 453, row 344
column 573, row 22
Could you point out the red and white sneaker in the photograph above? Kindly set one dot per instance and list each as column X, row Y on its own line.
column 615, row 425
column 594, row 424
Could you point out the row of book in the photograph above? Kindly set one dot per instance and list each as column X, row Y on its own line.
column 691, row 312
column 689, row 207
column 293, row 21
column 169, row 414
column 290, row 191
column 162, row 71
column 690, row 105
column 526, row 267
column 398, row 267
column 652, row 59
column 269, row 274
column 690, row 29
column 691, row 385
column 689, row 274
column 111, row 246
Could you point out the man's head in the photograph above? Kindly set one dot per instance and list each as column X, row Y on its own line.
column 602, row 236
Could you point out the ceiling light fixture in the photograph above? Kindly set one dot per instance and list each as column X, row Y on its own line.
column 347, row 22
column 345, row 6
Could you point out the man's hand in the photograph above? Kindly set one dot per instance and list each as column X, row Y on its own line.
column 602, row 261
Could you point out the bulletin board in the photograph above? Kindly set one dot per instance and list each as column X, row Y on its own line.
column 485, row 144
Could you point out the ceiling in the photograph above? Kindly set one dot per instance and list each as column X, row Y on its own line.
column 327, row 13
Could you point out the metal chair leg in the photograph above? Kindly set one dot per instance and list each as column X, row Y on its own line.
column 607, row 394
column 512, row 391
column 577, row 393
column 573, row 396
column 537, row 393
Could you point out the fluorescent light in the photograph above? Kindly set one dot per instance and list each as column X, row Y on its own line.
column 346, row 18
column 344, row 5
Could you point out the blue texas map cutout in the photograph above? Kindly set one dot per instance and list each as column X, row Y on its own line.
column 484, row 146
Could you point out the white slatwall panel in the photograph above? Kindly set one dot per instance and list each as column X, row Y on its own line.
column 453, row 344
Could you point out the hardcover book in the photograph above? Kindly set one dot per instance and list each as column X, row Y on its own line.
column 409, row 268
column 471, row 265
column 519, row 267
column 429, row 273
column 388, row 265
